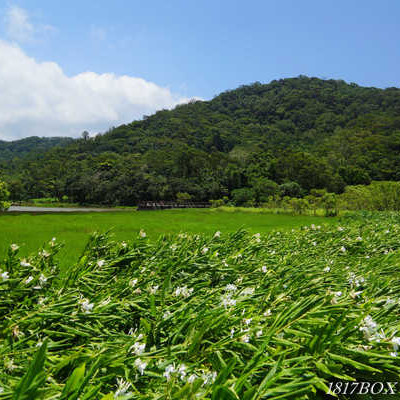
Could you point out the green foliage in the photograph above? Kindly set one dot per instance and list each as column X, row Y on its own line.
column 319, row 134
column 263, row 188
column 30, row 147
column 234, row 316
column 4, row 195
column 381, row 196
column 354, row 175
column 44, row 200
column 290, row 189
column 183, row 197
column 299, row 205
column 329, row 202
column 34, row 378
column 243, row 197
column 32, row 230
column 220, row 202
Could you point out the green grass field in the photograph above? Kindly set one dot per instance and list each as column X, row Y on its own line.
column 32, row 231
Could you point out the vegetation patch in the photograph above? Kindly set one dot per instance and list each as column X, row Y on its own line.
column 284, row 138
column 32, row 230
column 222, row 316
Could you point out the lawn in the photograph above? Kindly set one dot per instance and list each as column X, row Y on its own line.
column 31, row 231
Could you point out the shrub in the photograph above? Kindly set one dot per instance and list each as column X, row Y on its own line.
column 4, row 195
column 217, row 203
column 264, row 188
column 381, row 196
column 329, row 202
column 242, row 196
column 183, row 197
column 299, row 205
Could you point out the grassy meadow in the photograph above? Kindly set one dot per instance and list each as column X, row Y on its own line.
column 30, row 231
column 218, row 315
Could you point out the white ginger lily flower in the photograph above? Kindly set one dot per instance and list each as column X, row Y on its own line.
column 122, row 389
column 138, row 348
column 133, row 282
column 140, row 365
column 182, row 371
column 231, row 287
column 264, row 269
column 227, row 301
column 42, row 279
column 248, row 291
column 153, row 289
column 247, row 321
column 169, row 370
column 245, row 339
column 395, row 342
column 5, row 275
column 86, row 306
column 183, row 291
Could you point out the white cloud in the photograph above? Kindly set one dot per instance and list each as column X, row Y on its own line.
column 17, row 24
column 19, row 28
column 37, row 98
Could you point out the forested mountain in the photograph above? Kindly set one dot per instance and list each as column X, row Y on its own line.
column 299, row 133
column 30, row 146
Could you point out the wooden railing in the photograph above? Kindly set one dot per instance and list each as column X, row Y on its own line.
column 166, row 205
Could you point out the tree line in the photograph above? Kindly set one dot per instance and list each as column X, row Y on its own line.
column 286, row 138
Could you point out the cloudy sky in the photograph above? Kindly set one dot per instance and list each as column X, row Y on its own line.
column 71, row 66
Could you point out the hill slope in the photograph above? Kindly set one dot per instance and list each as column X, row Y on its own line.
column 31, row 145
column 317, row 133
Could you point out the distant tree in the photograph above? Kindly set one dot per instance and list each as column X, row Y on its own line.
column 299, row 205
column 85, row 135
column 291, row 189
column 301, row 133
column 329, row 202
column 4, row 195
column 242, row 196
column 263, row 188
column 354, row 175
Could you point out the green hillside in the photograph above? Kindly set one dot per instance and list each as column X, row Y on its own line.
column 29, row 146
column 288, row 136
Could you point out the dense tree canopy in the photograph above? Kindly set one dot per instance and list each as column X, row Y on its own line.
column 29, row 146
column 296, row 134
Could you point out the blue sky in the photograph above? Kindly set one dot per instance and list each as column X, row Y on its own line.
column 194, row 48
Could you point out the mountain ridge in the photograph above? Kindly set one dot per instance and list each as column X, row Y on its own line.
column 22, row 148
column 315, row 133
